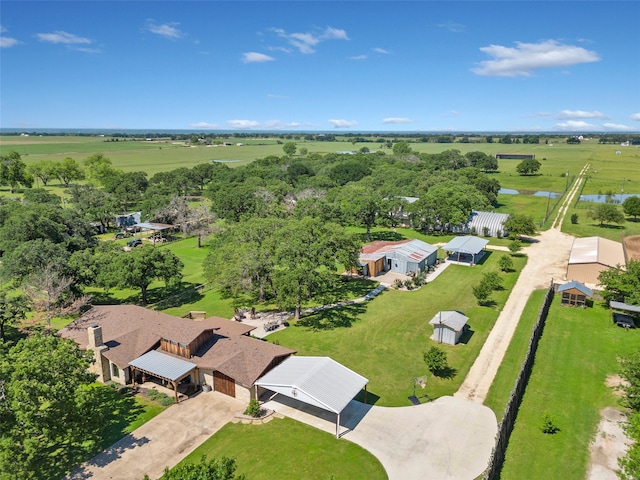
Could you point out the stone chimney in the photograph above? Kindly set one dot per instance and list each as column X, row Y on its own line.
column 100, row 367
column 95, row 336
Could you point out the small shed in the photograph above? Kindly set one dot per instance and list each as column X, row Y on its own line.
column 448, row 326
column 574, row 294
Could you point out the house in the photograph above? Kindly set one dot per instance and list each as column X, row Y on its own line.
column 130, row 342
column 591, row 255
column 405, row 257
column 448, row 326
column 128, row 219
column 574, row 294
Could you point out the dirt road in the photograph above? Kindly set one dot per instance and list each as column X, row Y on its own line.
column 548, row 257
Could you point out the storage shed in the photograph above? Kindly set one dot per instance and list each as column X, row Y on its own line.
column 590, row 256
column 574, row 294
column 448, row 326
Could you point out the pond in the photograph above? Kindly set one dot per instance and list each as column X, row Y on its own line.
column 612, row 198
column 540, row 193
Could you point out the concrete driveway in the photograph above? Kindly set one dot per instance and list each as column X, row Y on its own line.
column 449, row 438
column 163, row 441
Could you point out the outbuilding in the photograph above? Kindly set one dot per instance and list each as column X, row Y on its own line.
column 465, row 249
column 574, row 294
column 448, row 326
column 405, row 257
column 590, row 256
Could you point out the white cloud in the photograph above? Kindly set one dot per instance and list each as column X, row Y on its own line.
column 166, row 30
column 63, row 37
column 452, row 27
column 255, row 57
column 617, row 127
column 575, row 125
column 273, row 95
column 381, row 50
column 635, row 116
column 359, row 57
column 306, row 41
column 243, row 124
column 453, row 112
column 86, row 50
column 339, row 123
column 7, row 42
column 573, row 114
column 396, row 120
column 203, row 125
column 526, row 57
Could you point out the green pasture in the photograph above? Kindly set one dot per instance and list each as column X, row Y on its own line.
column 509, row 368
column 577, row 351
column 289, row 450
column 384, row 339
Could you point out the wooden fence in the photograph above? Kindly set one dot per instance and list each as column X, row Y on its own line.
column 515, row 399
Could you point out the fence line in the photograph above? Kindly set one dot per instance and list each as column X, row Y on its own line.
column 515, row 399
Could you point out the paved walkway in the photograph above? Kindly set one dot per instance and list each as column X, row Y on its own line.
column 163, row 441
column 547, row 260
column 447, row 439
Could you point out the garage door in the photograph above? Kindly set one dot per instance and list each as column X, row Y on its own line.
column 224, row 384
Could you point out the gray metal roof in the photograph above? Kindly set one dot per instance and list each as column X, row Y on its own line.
column 491, row 220
column 318, row 381
column 415, row 250
column 471, row 245
column 625, row 306
column 162, row 365
column 450, row 318
column 578, row 286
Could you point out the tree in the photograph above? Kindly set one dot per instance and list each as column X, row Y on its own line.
column 45, row 170
column 99, row 168
column 630, row 372
column 13, row 308
column 289, row 148
column 492, row 280
column 49, row 411
column 13, row 171
column 141, row 266
column 402, row 148
column 482, row 291
column 515, row 246
column 47, row 290
column 361, row 205
column 436, row 360
column 68, row 170
column 621, row 285
column 528, row 166
column 482, row 161
column 607, row 213
column 519, row 224
column 631, row 206
column 505, row 263
column 212, row 469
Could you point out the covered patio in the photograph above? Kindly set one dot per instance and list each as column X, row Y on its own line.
column 165, row 367
column 317, row 381
column 465, row 249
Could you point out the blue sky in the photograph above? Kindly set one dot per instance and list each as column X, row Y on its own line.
column 326, row 66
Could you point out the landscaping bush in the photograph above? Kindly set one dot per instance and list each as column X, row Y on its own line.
column 548, row 426
column 253, row 409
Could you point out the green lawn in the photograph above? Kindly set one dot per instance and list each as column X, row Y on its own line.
column 505, row 379
column 577, row 351
column 384, row 339
column 289, row 450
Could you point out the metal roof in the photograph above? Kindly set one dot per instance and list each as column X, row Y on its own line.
column 153, row 226
column 416, row 250
column 318, row 381
column 625, row 306
column 450, row 318
column 597, row 250
column 162, row 365
column 578, row 286
column 491, row 220
column 471, row 245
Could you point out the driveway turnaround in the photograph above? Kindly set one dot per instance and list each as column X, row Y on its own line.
column 163, row 441
column 447, row 439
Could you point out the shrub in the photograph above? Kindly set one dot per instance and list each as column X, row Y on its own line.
column 574, row 218
column 548, row 426
column 253, row 409
column 397, row 283
column 485, row 231
column 408, row 283
column 436, row 360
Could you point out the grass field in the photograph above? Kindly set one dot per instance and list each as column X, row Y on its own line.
column 289, row 450
column 577, row 351
column 384, row 339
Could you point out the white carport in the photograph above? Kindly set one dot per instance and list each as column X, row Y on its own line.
column 163, row 366
column 317, row 381
column 466, row 246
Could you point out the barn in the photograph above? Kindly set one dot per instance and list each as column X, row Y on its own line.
column 591, row 255
column 487, row 224
column 448, row 326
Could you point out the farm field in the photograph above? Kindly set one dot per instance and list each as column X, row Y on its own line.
column 384, row 339
column 300, row 451
column 577, row 352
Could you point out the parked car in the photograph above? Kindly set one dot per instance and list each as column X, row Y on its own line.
column 122, row 234
column 136, row 242
column 134, row 229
